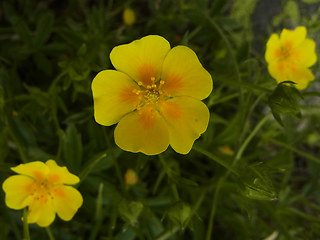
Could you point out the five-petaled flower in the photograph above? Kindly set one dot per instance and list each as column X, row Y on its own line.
column 155, row 95
column 43, row 188
column 289, row 57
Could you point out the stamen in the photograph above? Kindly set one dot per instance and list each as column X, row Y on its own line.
column 153, row 79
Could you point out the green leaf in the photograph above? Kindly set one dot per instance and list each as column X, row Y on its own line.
column 284, row 100
column 72, row 148
column 257, row 183
column 130, row 211
column 44, row 29
column 179, row 214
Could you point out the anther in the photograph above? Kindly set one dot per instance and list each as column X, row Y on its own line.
column 153, row 79
column 140, row 83
column 161, row 82
column 153, row 85
column 148, row 86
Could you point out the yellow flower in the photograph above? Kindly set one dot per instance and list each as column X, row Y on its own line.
column 130, row 177
column 129, row 17
column 41, row 187
column 155, row 95
column 289, row 57
column 226, row 150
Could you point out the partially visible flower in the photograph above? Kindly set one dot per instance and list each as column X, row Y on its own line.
column 129, row 17
column 226, row 150
column 155, row 96
column 43, row 188
column 130, row 177
column 290, row 56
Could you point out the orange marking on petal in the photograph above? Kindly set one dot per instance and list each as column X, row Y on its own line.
column 171, row 110
column 38, row 175
column 53, row 178
column 287, row 45
column 280, row 67
column 58, row 192
column 147, row 117
column 279, row 53
column 146, row 73
column 129, row 96
column 172, row 84
column 30, row 188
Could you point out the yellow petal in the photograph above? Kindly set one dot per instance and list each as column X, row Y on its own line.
column 42, row 213
column 286, row 71
column 273, row 48
column 113, row 95
column 141, row 59
column 183, row 74
column 301, row 76
column 37, row 170
column 18, row 188
column 304, row 54
column 187, row 119
column 60, row 175
column 67, row 200
column 142, row 131
column 293, row 38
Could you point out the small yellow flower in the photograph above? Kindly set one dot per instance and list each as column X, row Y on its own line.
column 226, row 150
column 43, row 188
column 289, row 57
column 129, row 17
column 155, row 95
column 130, row 177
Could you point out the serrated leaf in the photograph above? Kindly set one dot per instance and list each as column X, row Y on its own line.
column 257, row 183
column 284, row 100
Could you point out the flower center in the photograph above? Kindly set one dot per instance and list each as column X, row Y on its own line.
column 149, row 94
column 41, row 191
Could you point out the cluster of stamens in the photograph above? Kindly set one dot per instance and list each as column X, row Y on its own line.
column 149, row 94
column 41, row 191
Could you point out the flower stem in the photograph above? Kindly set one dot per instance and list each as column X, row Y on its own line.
column 50, row 235
column 26, row 234
column 216, row 159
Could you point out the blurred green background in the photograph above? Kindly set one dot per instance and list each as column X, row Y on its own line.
column 248, row 176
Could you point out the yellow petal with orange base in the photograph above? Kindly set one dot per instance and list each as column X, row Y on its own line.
column 60, row 175
column 37, row 170
column 283, row 71
column 17, row 189
column 42, row 213
column 291, row 39
column 67, row 200
column 183, row 74
column 142, row 131
column 114, row 96
column 141, row 59
column 187, row 119
column 305, row 54
column 273, row 48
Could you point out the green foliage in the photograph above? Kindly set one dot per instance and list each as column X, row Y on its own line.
column 265, row 187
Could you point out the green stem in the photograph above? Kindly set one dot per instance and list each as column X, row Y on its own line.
column 115, row 163
column 249, row 138
column 168, row 234
column 26, row 234
column 174, row 188
column 214, row 207
column 50, row 235
column 293, row 149
column 216, row 159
